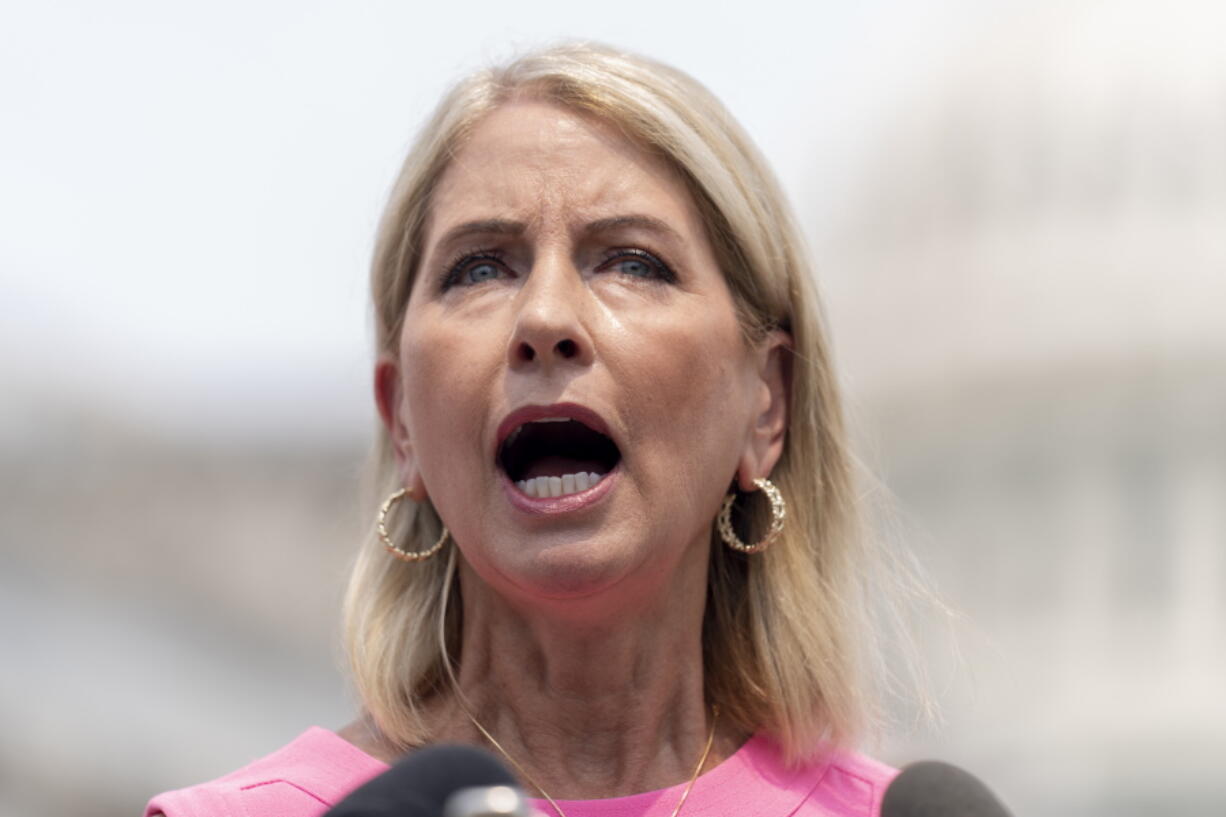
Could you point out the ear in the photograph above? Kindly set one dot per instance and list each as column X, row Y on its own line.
column 389, row 397
column 772, row 395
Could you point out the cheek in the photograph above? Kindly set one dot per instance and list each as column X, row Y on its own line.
column 692, row 385
column 444, row 393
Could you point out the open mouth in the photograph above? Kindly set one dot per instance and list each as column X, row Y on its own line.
column 556, row 456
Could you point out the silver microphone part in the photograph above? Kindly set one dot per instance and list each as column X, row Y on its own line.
column 487, row 801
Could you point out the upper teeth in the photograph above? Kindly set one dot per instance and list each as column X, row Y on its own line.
column 559, row 486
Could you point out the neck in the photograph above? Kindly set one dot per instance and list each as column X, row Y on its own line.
column 589, row 705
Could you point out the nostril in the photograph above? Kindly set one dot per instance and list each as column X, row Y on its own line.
column 567, row 348
column 526, row 352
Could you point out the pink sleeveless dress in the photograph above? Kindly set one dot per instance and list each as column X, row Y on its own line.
column 318, row 768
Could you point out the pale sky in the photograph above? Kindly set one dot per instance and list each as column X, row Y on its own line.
column 190, row 190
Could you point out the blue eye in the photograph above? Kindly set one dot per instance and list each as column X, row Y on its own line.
column 638, row 264
column 480, row 272
column 472, row 269
column 635, row 267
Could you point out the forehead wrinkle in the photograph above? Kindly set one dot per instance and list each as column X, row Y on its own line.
column 511, row 199
column 541, row 173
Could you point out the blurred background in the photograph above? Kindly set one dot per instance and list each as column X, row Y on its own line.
column 1019, row 217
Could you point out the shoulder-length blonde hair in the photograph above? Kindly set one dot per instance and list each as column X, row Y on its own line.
column 783, row 640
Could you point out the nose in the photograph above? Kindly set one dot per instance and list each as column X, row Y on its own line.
column 550, row 329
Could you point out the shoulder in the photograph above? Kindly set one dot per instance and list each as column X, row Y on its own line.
column 304, row 778
column 834, row 783
column 853, row 783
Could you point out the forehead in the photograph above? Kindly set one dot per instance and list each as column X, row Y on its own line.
column 543, row 164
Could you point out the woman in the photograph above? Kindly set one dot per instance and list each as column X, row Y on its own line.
column 613, row 465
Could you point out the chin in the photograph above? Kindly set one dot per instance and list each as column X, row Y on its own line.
column 568, row 571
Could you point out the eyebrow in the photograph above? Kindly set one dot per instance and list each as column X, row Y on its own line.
column 489, row 226
column 498, row 226
column 649, row 223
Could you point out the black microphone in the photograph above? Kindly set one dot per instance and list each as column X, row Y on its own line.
column 931, row 788
column 438, row 781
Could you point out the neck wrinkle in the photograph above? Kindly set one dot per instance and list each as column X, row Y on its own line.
column 590, row 710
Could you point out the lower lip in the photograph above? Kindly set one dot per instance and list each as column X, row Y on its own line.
column 559, row 504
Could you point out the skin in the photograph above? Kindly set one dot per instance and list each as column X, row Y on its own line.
column 582, row 651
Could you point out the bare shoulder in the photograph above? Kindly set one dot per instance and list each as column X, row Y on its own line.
column 303, row 778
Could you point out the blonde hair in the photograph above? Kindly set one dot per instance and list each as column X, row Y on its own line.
column 784, row 634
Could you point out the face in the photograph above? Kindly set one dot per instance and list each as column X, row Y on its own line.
column 568, row 320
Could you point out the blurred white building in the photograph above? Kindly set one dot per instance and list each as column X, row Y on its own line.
column 1029, row 297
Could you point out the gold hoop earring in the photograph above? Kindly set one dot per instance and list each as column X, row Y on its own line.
column 779, row 513
column 391, row 547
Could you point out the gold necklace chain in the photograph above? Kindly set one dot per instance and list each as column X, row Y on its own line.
column 702, row 761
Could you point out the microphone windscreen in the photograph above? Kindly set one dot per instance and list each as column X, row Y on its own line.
column 419, row 784
column 934, row 789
